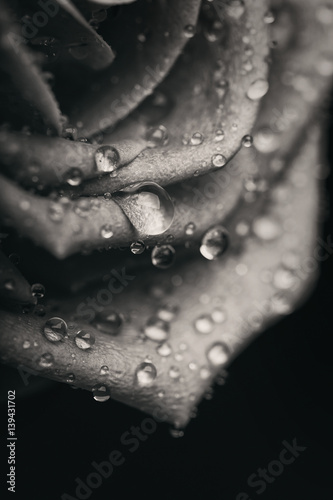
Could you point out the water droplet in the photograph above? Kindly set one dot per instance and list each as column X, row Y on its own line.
column 204, row 324
column 218, row 315
column 247, row 141
column 56, row 211
column 193, row 365
column 163, row 256
column 204, row 373
column 55, row 329
column 269, row 17
column 164, row 350
column 190, row 228
column 266, row 228
column 101, row 393
column 174, row 372
column 106, row 231
column 106, row 159
column 156, row 330
column 189, row 31
column 257, row 89
column 196, row 139
column 137, row 247
column 108, row 322
column 148, row 206
column 219, row 135
column 218, row 354
column 107, row 196
column 266, row 141
column 26, row 344
column 9, row 285
column 214, row 243
column 284, row 279
column 157, row 137
column 37, row 290
column 74, row 176
column 84, row 340
column 166, row 313
column 161, row 394
column 46, row 360
column 255, row 184
column 145, row 374
column 104, row 370
column 235, row 8
column 70, row 378
column 82, row 207
column 218, row 160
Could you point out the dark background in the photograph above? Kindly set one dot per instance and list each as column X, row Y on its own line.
column 279, row 389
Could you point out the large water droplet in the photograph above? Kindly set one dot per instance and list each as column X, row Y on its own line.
column 196, row 139
column 148, row 206
column 46, row 360
column 55, row 329
column 218, row 354
column 156, row 329
column 257, row 89
column 106, row 159
column 145, row 374
column 84, row 340
column 101, row 393
column 218, row 160
column 108, row 322
column 214, row 243
column 204, row 324
column 163, row 256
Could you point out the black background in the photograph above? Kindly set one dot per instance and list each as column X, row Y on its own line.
column 279, row 389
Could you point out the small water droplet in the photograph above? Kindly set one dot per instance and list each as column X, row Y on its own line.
column 46, row 360
column 196, row 139
column 189, row 229
column 204, row 373
column 106, row 231
column 74, row 176
column 189, row 31
column 38, row 290
column 218, row 160
column 176, row 433
column 145, row 374
column 163, row 256
column 284, row 279
column 266, row 141
column 26, row 344
column 70, row 378
column 101, row 393
column 164, row 350
column 161, row 394
column 269, row 17
column 108, row 322
column 218, row 354
column 156, row 330
column 214, row 243
column 219, row 135
column 266, row 228
column 104, row 370
column 55, row 329
column 107, row 196
column 235, row 8
column 218, row 315
column 204, row 324
column 257, row 89
column 82, row 207
column 84, row 340
column 166, row 313
column 193, row 365
column 148, row 206
column 247, row 141
column 137, row 247
column 157, row 137
column 106, row 159
column 174, row 372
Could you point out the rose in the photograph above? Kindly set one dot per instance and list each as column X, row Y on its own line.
column 221, row 108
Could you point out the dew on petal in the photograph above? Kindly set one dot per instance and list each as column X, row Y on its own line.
column 189, row 31
column 156, row 330
column 214, row 243
column 55, row 329
column 137, row 247
column 204, row 324
column 145, row 374
column 38, row 290
column 196, row 139
column 218, row 160
column 106, row 231
column 174, row 372
column 46, row 360
column 106, row 159
column 84, row 340
column 257, row 89
column 164, row 350
column 157, row 137
column 266, row 228
column 166, row 313
column 101, row 393
column 163, row 256
column 104, row 370
column 218, row 354
column 108, row 322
